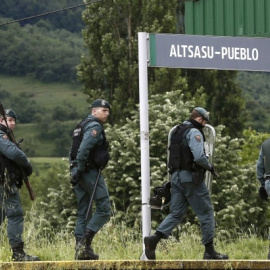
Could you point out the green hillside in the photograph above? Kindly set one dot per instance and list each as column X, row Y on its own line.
column 47, row 95
column 49, row 99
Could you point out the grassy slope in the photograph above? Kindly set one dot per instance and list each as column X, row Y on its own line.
column 47, row 96
column 30, row 131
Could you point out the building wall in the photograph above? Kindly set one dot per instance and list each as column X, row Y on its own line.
column 228, row 17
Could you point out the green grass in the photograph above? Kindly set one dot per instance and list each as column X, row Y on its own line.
column 46, row 160
column 47, row 95
column 117, row 242
column 30, row 134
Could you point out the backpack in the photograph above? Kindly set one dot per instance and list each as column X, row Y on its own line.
column 179, row 157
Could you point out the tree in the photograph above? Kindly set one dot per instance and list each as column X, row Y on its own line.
column 224, row 98
column 110, row 70
column 68, row 19
column 235, row 196
column 39, row 53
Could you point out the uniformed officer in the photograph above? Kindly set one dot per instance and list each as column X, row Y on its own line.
column 12, row 162
column 84, row 172
column 263, row 173
column 263, row 169
column 188, row 188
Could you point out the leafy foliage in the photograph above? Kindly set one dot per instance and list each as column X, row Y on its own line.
column 25, row 110
column 251, row 146
column 69, row 20
column 235, row 196
column 110, row 70
column 224, row 98
column 54, row 125
column 123, row 171
column 55, row 200
column 39, row 53
column 256, row 89
column 234, row 193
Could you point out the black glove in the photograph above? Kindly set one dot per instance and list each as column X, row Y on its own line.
column 213, row 172
column 28, row 170
column 263, row 194
column 76, row 178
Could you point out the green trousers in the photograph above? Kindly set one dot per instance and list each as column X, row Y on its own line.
column 83, row 191
column 186, row 194
column 11, row 208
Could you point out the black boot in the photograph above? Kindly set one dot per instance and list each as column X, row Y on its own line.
column 19, row 254
column 89, row 253
column 211, row 254
column 85, row 241
column 150, row 243
column 80, row 253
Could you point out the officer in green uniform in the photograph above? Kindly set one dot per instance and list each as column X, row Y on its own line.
column 189, row 189
column 84, row 172
column 263, row 173
column 263, row 169
column 12, row 162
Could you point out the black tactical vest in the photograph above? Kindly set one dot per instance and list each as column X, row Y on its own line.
column 180, row 157
column 266, row 153
column 99, row 156
column 10, row 172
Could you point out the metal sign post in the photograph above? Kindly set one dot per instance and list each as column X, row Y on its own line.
column 144, row 133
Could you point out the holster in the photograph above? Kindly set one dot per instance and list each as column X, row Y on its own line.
column 198, row 173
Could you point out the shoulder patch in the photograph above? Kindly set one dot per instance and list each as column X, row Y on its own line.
column 94, row 133
column 198, row 138
column 5, row 136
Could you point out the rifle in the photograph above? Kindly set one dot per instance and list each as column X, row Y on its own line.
column 12, row 139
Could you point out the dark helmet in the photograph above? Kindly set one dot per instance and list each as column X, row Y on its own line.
column 10, row 113
column 162, row 196
column 203, row 113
